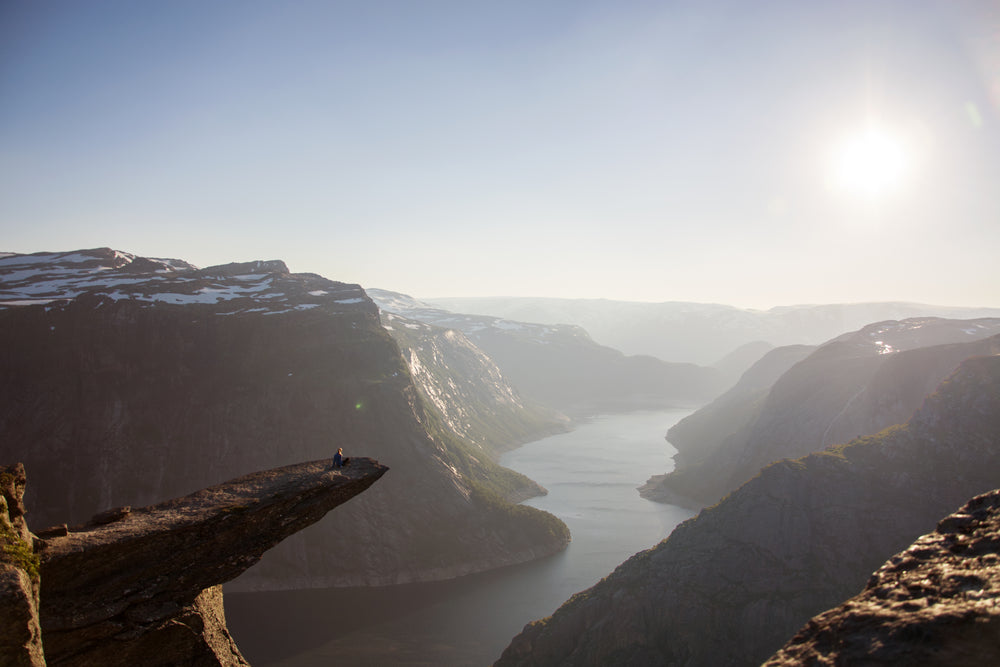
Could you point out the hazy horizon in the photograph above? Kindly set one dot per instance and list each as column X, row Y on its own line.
column 757, row 155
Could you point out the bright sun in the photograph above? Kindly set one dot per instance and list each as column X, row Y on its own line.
column 871, row 162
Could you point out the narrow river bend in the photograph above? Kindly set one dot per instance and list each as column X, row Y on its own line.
column 591, row 474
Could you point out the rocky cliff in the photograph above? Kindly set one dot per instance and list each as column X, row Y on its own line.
column 467, row 389
column 143, row 586
column 731, row 585
column 20, row 631
column 561, row 367
column 127, row 379
column 853, row 385
column 936, row 604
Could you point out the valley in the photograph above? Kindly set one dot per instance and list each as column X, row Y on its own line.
column 525, row 461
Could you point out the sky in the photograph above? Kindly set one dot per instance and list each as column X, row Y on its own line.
column 756, row 154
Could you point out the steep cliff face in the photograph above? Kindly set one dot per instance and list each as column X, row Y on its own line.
column 467, row 389
column 126, row 380
column 711, row 436
column 20, row 631
column 856, row 384
column 936, row 604
column 561, row 367
column 730, row 586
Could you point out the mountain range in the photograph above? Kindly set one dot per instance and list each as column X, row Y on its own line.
column 730, row 586
column 127, row 380
column 701, row 333
column 799, row 399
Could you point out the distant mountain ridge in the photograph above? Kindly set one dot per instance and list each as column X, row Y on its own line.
column 127, row 380
column 700, row 333
column 561, row 367
column 467, row 389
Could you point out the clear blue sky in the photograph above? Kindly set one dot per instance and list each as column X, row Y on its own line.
column 623, row 149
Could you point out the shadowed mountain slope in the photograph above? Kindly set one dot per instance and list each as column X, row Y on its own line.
column 467, row 389
column 127, row 380
column 561, row 367
column 731, row 585
column 854, row 385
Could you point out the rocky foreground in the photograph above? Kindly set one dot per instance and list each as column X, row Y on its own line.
column 143, row 586
column 936, row 604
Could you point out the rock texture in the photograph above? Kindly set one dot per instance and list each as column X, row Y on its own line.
column 854, row 385
column 126, row 380
column 937, row 604
column 20, row 631
column 731, row 585
column 143, row 586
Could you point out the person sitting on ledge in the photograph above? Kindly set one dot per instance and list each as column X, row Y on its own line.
column 338, row 459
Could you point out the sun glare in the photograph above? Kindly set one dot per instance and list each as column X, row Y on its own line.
column 872, row 162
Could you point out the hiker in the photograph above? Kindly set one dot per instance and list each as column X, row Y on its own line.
column 338, row 459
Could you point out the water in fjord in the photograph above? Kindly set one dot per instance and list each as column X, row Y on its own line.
column 591, row 474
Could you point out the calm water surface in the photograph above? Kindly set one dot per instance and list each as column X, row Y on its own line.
column 591, row 475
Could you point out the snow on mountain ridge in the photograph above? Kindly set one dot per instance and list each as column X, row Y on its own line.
column 262, row 286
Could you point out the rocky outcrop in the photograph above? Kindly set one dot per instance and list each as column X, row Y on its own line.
column 143, row 586
column 730, row 586
column 561, row 367
column 854, row 385
column 127, row 380
column 20, row 631
column 937, row 604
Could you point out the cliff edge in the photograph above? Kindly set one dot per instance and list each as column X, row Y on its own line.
column 143, row 586
column 935, row 604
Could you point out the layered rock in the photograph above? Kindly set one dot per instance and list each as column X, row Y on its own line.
column 854, row 385
column 730, row 586
column 935, row 604
column 127, row 380
column 20, row 631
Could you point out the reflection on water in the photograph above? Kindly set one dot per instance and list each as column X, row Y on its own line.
column 591, row 475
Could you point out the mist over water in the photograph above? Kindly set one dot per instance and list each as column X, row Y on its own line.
column 591, row 475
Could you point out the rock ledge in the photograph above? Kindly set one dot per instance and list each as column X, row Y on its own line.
column 143, row 585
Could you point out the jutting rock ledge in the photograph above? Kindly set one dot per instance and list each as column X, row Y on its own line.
column 143, row 586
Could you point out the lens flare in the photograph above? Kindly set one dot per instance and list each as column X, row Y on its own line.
column 872, row 162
